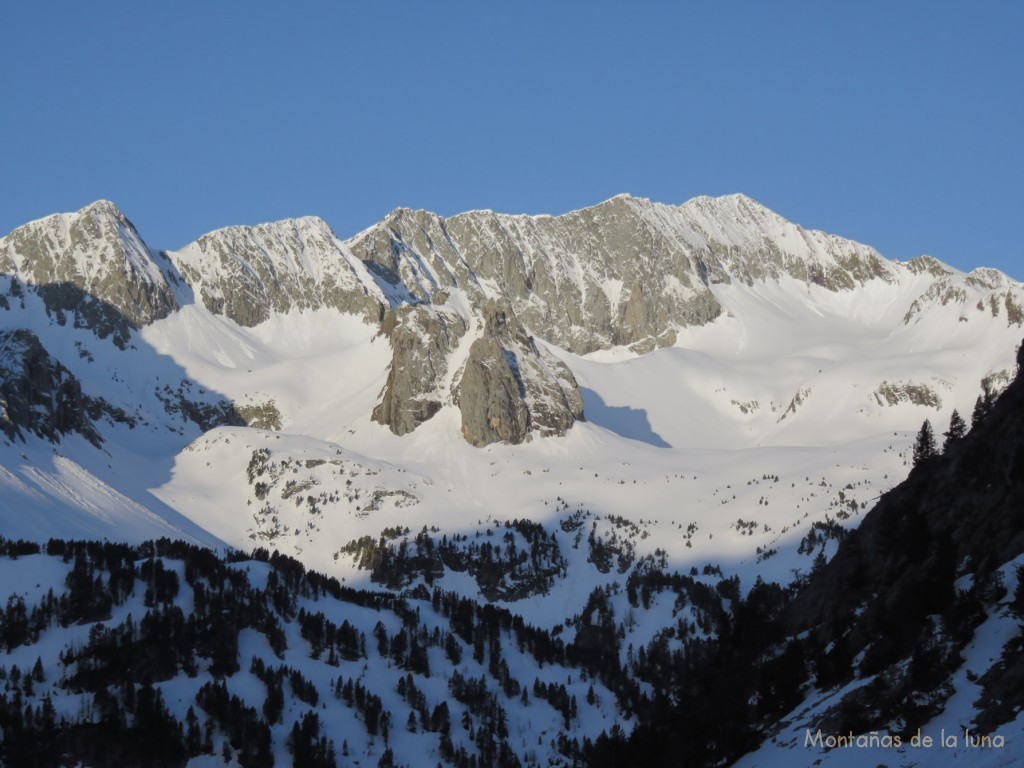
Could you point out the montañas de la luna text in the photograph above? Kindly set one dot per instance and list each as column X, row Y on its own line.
column 879, row 740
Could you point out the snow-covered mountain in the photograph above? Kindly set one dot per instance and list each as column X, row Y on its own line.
column 628, row 389
column 713, row 341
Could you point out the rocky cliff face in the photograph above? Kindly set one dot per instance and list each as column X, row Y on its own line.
column 588, row 280
column 630, row 272
column 492, row 398
column 39, row 396
column 248, row 273
column 626, row 272
column 415, row 250
column 92, row 267
column 510, row 388
column 507, row 389
column 422, row 340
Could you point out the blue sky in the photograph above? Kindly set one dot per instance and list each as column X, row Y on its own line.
column 896, row 124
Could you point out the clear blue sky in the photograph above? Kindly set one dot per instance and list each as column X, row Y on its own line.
column 897, row 124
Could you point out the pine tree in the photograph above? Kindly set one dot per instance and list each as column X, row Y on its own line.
column 820, row 561
column 957, row 429
column 983, row 405
column 924, row 445
column 978, row 415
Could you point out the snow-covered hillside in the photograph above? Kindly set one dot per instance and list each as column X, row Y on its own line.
column 254, row 650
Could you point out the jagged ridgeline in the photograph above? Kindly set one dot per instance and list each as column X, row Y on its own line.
column 465, row 301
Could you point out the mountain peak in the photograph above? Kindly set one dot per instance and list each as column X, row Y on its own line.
column 103, row 207
column 280, row 228
column 987, row 277
column 627, row 198
column 95, row 253
column 623, row 198
column 928, row 264
column 733, row 206
column 247, row 272
column 107, row 220
column 740, row 198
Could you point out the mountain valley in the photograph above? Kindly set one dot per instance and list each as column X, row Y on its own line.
column 562, row 442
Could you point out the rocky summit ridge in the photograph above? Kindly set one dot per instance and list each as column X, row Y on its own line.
column 93, row 267
column 461, row 299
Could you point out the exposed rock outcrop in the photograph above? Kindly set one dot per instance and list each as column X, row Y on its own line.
column 39, row 395
column 604, row 276
column 907, row 392
column 492, row 397
column 422, row 338
column 511, row 388
column 249, row 273
column 627, row 272
column 415, row 250
column 507, row 389
column 94, row 267
column 624, row 272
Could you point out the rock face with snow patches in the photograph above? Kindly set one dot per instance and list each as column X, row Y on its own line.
column 93, row 266
column 625, row 272
column 495, row 329
column 422, row 339
column 40, row 396
column 510, row 388
column 507, row 388
column 249, row 273
column 460, row 299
